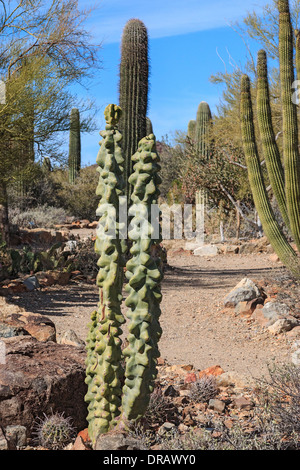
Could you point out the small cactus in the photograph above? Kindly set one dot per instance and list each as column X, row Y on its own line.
column 54, row 432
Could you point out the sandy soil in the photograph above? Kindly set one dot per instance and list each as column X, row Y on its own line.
column 195, row 330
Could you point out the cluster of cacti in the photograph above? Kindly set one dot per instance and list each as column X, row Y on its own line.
column 74, row 146
column 284, row 179
column 133, row 91
column 108, row 403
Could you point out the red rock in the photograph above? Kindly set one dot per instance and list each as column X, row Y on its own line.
column 214, row 370
column 82, row 441
column 190, row 378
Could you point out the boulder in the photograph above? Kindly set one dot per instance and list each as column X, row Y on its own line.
column 282, row 326
column 207, row 250
column 245, row 290
column 41, row 378
column 274, row 311
column 34, row 324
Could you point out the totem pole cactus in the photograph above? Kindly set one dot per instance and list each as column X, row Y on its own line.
column 110, row 405
column 74, row 146
column 285, row 182
column 104, row 371
column 133, row 91
column 144, row 276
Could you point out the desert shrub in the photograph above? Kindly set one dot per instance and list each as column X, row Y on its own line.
column 38, row 217
column 280, row 396
column 160, row 408
column 85, row 258
column 79, row 199
column 204, row 389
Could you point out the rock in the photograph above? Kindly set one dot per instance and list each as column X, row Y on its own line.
column 36, row 325
column 60, row 277
column 274, row 311
column 243, row 403
column 116, row 440
column 247, row 307
column 82, row 441
column 274, row 258
column 3, row 441
column 294, row 333
column 16, row 436
column 296, row 357
column 233, row 378
column 244, row 291
column 231, row 249
column 165, row 428
column 71, row 338
column 41, row 378
column 7, row 331
column 216, row 405
column 190, row 378
column 206, row 250
column 282, row 326
column 214, row 370
column 45, row 279
column 31, row 283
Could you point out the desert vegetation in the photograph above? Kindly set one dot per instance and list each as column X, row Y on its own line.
column 63, row 231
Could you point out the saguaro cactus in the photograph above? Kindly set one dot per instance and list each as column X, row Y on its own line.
column 285, row 182
column 133, row 91
column 144, row 276
column 104, row 371
column 74, row 145
column 202, row 129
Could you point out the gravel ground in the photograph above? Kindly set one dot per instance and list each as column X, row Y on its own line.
column 195, row 330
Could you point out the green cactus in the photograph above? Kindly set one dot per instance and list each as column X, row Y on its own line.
column 191, row 130
column 74, row 146
column 260, row 195
column 144, row 276
column 202, row 129
column 149, row 127
column 104, row 371
column 284, row 179
column 133, row 91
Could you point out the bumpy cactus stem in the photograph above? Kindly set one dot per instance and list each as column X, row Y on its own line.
column 104, row 371
column 133, row 91
column 260, row 196
column 74, row 146
column 144, row 275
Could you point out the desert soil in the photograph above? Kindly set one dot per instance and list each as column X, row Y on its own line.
column 195, row 328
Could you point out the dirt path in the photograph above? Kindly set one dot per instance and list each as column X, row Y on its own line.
column 195, row 331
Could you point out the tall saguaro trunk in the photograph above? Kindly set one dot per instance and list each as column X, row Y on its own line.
column 133, row 92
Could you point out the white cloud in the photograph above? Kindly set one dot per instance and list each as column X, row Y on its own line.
column 167, row 17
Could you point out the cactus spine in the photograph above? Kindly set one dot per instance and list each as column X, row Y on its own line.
column 104, row 371
column 133, row 91
column 144, row 276
column 74, row 146
column 202, row 129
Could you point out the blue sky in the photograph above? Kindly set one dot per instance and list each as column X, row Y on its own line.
column 189, row 40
